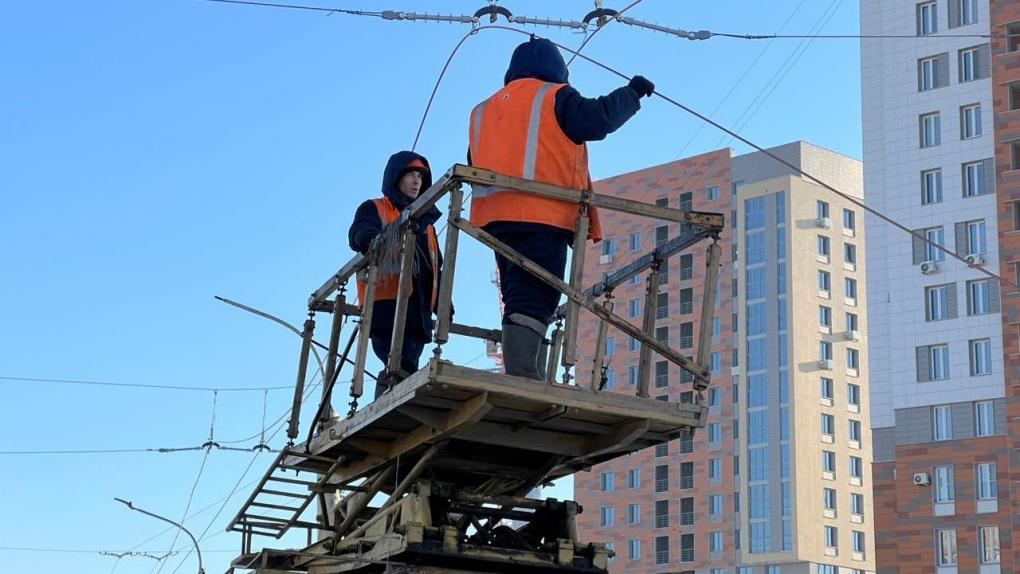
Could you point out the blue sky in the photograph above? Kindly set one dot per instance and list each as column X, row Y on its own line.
column 154, row 154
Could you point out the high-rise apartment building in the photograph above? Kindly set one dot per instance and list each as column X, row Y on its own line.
column 938, row 157
column 779, row 480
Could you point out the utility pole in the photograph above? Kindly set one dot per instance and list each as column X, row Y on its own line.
column 181, row 526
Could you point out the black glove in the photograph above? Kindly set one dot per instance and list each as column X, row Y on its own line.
column 642, row 86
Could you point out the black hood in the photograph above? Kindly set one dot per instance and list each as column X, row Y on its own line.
column 537, row 58
column 391, row 177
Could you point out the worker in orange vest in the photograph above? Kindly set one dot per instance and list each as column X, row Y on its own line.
column 406, row 175
column 535, row 128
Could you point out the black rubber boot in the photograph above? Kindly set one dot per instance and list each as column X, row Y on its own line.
column 543, row 358
column 520, row 351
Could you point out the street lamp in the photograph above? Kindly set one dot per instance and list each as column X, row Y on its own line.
column 181, row 526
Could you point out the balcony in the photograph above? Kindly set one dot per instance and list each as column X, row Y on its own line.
column 661, row 520
column 687, row 555
column 686, row 518
column 662, row 485
column 687, row 482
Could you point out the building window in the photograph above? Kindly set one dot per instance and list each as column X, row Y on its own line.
column 828, row 425
column 850, row 288
column 850, row 253
column 984, row 418
column 829, row 498
column 715, row 468
column 853, row 359
column 1013, row 36
column 930, row 72
column 715, row 541
column 824, row 316
column 1014, row 153
column 931, row 186
column 632, row 375
column 927, row 19
column 828, row 461
column 714, row 432
column 662, row 514
column 712, row 192
column 825, row 351
column 849, row 220
column 607, row 516
column 715, row 504
column 975, row 237
column 987, row 484
column 969, row 65
column 855, row 430
column 930, row 129
column 823, row 246
column 608, row 481
column 633, row 549
column 970, row 121
column 662, row 549
column 981, row 357
column 662, row 306
column 974, row 179
column 826, row 388
column 635, row 241
column 934, row 359
column 988, row 542
column 633, row 344
column 831, row 537
column 686, row 200
column 714, row 397
column 968, row 11
column 634, row 478
column 824, row 281
column 662, row 450
column 857, row 503
column 633, row 513
column 687, row 301
column 858, row 541
column 850, row 322
column 929, row 250
column 945, row 547
column 945, row 487
column 942, row 422
column 686, row 475
column 979, row 297
column 686, row 511
column 687, row 548
column 856, row 467
column 822, row 209
column 609, row 247
column 661, row 478
column 686, row 266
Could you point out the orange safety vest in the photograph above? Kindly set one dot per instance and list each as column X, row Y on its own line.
column 515, row 133
column 386, row 289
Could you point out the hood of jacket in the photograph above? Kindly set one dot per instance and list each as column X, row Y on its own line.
column 537, row 58
column 391, row 178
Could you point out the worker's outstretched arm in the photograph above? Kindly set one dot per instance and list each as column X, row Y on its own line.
column 365, row 227
column 591, row 119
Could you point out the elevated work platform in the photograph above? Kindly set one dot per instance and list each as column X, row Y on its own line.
column 431, row 477
column 496, row 426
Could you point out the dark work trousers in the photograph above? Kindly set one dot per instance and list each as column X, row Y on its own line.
column 414, row 344
column 521, row 291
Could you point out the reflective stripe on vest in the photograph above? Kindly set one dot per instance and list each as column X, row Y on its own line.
column 515, row 132
column 386, row 289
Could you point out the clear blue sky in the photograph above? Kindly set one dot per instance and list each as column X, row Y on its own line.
column 153, row 154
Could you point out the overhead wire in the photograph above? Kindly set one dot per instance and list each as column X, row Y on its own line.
column 141, row 385
column 328, row 11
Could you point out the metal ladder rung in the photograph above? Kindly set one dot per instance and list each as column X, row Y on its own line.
column 283, row 493
column 292, row 481
column 274, row 506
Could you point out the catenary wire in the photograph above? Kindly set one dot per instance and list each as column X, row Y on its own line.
column 141, row 385
column 300, row 7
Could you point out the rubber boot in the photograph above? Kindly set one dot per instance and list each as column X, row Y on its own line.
column 543, row 358
column 520, row 351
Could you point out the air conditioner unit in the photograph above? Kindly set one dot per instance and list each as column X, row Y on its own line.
column 824, row 222
column 975, row 259
column 852, row 335
column 929, row 267
column 606, row 259
column 826, row 364
column 921, row 479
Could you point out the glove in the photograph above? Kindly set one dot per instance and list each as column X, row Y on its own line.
column 642, row 86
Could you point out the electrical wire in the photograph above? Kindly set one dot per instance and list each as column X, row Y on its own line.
column 599, row 29
column 83, row 551
column 854, row 36
column 329, row 11
column 140, row 385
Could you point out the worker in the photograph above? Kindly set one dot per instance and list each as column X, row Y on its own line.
column 406, row 175
column 535, row 128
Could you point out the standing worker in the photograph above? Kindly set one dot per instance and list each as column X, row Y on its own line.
column 536, row 128
column 406, row 175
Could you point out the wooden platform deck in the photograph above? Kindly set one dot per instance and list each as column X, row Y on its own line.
column 494, row 425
